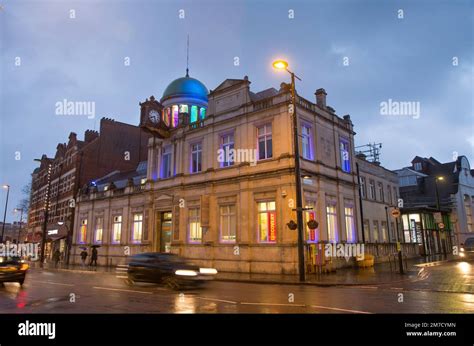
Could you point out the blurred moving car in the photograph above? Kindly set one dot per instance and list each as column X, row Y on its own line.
column 467, row 249
column 13, row 269
column 173, row 271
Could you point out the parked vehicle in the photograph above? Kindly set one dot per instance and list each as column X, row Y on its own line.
column 467, row 249
column 169, row 269
column 13, row 269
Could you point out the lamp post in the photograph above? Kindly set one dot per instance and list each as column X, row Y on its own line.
column 283, row 65
column 21, row 220
column 438, row 207
column 5, row 213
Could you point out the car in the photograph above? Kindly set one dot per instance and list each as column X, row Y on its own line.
column 13, row 269
column 467, row 249
column 173, row 271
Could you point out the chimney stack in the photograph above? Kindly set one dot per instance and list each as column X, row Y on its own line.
column 321, row 98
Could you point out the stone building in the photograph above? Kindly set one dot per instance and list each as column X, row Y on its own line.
column 76, row 163
column 220, row 182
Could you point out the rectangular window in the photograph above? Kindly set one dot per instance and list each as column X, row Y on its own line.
column 265, row 142
column 384, row 232
column 183, row 108
column 417, row 166
column 380, row 186
column 312, row 235
column 194, row 222
column 389, row 194
column 117, row 229
column 331, row 215
column 99, row 229
column 350, row 225
column 345, row 155
column 83, row 232
column 202, row 113
column 372, row 189
column 194, row 114
column 467, row 208
column 376, row 231
column 227, row 144
column 196, row 158
column 395, row 196
column 137, row 228
column 175, row 116
column 228, row 224
column 166, row 162
column 267, row 222
column 367, row 231
column 363, row 187
column 307, row 142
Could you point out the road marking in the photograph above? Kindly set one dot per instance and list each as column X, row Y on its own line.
column 274, row 304
column 396, row 288
column 50, row 282
column 368, row 287
column 122, row 290
column 339, row 309
column 217, row 300
column 121, row 277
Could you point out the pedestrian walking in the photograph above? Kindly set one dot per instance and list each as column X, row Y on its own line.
column 56, row 257
column 84, row 255
column 94, row 256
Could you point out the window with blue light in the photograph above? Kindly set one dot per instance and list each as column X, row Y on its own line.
column 345, row 155
column 202, row 113
column 307, row 141
column 166, row 162
column 194, row 114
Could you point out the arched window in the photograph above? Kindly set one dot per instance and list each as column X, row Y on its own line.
column 202, row 113
column 174, row 118
column 194, row 114
column 183, row 108
column 167, row 116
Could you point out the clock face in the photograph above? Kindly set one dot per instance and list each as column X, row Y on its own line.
column 154, row 116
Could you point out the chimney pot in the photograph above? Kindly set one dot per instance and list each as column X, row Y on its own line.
column 321, row 98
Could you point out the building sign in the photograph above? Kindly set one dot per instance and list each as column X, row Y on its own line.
column 272, row 226
column 311, row 232
column 438, row 218
column 52, row 232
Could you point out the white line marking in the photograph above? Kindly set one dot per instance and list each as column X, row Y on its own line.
column 50, row 282
column 338, row 309
column 121, row 277
column 274, row 304
column 119, row 289
column 368, row 287
column 217, row 300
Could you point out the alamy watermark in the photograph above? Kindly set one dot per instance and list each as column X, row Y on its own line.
column 404, row 108
column 231, row 156
column 346, row 250
column 66, row 107
column 28, row 250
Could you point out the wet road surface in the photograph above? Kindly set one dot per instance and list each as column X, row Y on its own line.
column 445, row 288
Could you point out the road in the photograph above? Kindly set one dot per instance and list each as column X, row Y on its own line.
column 446, row 288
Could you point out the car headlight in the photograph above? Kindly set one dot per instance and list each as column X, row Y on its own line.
column 183, row 272
column 208, row 271
column 24, row 266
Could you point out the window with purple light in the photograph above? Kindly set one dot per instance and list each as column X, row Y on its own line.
column 345, row 155
column 175, row 116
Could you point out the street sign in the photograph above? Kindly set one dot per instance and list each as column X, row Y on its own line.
column 396, row 213
column 441, row 225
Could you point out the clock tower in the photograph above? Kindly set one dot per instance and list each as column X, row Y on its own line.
column 151, row 118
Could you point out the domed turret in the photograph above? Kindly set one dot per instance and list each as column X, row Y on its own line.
column 186, row 96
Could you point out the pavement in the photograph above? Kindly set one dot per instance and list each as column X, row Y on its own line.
column 445, row 287
column 381, row 273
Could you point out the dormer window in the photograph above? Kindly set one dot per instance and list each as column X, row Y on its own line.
column 417, row 166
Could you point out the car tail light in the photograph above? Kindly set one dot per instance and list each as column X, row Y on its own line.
column 24, row 266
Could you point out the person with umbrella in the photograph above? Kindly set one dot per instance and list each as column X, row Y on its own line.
column 94, row 256
column 84, row 255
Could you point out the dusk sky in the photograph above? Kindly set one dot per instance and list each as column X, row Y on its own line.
column 82, row 59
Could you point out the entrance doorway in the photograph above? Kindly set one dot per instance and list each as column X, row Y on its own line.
column 165, row 228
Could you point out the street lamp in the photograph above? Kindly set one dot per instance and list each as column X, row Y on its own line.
column 283, row 65
column 16, row 210
column 440, row 178
column 5, row 186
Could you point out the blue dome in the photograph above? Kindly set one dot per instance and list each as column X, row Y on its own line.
column 186, row 87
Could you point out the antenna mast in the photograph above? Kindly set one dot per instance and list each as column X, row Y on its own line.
column 187, row 59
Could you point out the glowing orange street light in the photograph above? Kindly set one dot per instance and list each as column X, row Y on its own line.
column 280, row 64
